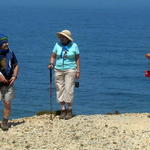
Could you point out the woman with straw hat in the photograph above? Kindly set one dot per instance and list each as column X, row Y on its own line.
column 65, row 59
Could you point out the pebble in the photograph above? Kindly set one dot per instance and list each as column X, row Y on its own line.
column 83, row 132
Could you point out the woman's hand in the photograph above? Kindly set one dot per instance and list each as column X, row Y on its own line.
column 77, row 75
column 50, row 66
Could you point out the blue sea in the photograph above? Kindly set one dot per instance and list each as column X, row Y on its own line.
column 112, row 44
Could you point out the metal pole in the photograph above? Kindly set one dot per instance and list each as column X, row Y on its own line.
column 51, row 105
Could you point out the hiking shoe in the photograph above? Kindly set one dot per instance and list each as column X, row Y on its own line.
column 63, row 114
column 4, row 124
column 69, row 114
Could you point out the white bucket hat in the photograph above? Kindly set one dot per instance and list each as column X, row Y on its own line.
column 65, row 33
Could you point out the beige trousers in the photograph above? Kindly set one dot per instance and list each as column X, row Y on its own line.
column 65, row 81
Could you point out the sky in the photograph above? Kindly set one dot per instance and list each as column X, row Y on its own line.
column 80, row 3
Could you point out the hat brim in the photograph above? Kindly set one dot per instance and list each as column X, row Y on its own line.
column 61, row 33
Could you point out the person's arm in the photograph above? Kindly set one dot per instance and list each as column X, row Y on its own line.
column 78, row 66
column 15, row 71
column 52, row 61
column 14, row 75
column 2, row 78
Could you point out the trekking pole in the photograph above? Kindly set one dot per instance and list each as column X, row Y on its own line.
column 51, row 106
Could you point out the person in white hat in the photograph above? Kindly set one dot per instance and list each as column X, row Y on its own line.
column 65, row 59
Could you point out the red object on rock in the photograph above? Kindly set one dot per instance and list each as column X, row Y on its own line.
column 147, row 73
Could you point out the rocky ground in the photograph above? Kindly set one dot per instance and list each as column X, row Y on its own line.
column 93, row 132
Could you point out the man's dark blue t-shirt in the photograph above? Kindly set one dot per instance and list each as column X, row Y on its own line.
column 8, row 61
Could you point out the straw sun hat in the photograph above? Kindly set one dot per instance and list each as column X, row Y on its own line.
column 65, row 33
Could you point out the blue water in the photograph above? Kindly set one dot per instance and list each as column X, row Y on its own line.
column 112, row 43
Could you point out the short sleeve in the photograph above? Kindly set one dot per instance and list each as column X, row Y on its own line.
column 14, row 59
column 77, row 49
column 55, row 49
